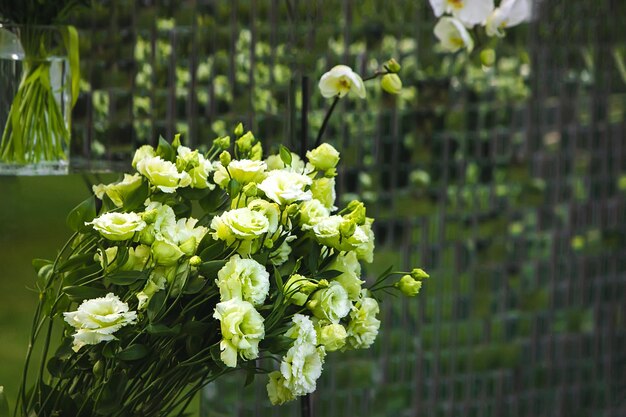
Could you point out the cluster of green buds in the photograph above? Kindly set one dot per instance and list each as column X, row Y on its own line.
column 391, row 82
column 411, row 284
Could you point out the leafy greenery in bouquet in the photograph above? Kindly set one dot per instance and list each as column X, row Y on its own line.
column 199, row 264
column 36, row 129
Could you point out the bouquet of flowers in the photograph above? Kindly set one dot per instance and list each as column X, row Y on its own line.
column 199, row 264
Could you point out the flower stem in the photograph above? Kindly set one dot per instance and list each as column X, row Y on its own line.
column 318, row 141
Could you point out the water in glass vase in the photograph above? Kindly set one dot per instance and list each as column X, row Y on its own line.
column 35, row 103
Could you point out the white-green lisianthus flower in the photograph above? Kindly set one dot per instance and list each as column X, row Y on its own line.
column 277, row 390
column 285, row 187
column 118, row 226
column 97, row 319
column 118, row 192
column 242, row 329
column 302, row 330
column 241, row 224
column 243, row 278
column 163, row 174
column 301, row 367
column 363, row 326
column 324, row 157
column 330, row 303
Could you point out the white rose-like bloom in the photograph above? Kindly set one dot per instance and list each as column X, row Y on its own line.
column 312, row 212
column 239, row 224
column 301, row 367
column 186, row 234
column 324, row 157
column 323, row 189
column 332, row 336
column 245, row 170
column 339, row 81
column 242, row 330
column 302, row 330
column 363, row 240
column 146, row 151
column 349, row 266
column 97, row 319
column 269, row 210
column 275, row 162
column 196, row 165
column 330, row 303
column 284, row 187
column 510, row 13
column 163, row 174
column 243, row 278
column 363, row 326
column 452, row 35
column 277, row 392
column 118, row 226
column 469, row 12
column 118, row 192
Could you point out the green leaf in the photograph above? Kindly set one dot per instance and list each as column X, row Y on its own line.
column 40, row 263
column 165, row 150
column 75, row 277
column 193, row 193
column 126, row 277
column 76, row 261
column 285, row 155
column 82, row 213
column 210, row 269
column 161, row 330
column 213, row 200
column 234, row 187
column 194, row 285
column 137, row 197
column 70, row 39
column 212, row 252
column 133, row 353
column 196, row 328
column 4, row 403
column 79, row 293
column 330, row 274
column 156, row 305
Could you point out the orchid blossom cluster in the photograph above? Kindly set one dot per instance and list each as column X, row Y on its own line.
column 458, row 17
column 198, row 264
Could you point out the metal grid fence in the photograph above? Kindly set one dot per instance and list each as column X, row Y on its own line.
column 507, row 185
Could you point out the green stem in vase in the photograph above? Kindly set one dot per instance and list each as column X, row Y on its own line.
column 36, row 129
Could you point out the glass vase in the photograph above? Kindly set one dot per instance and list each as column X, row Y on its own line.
column 36, row 98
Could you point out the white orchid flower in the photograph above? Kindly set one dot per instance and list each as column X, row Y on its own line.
column 453, row 35
column 510, row 13
column 339, row 81
column 470, row 12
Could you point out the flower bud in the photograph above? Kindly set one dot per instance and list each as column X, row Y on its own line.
column 188, row 246
column 393, row 66
column 268, row 243
column 356, row 212
column 322, row 283
column 347, row 228
column 149, row 216
column 239, row 129
column 222, row 143
column 176, row 141
column 225, row 158
column 250, row 189
column 419, row 274
column 323, row 157
column 244, row 143
column 409, row 286
column 488, row 57
column 332, row 336
column 391, row 83
column 165, row 253
column 195, row 260
column 256, row 153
